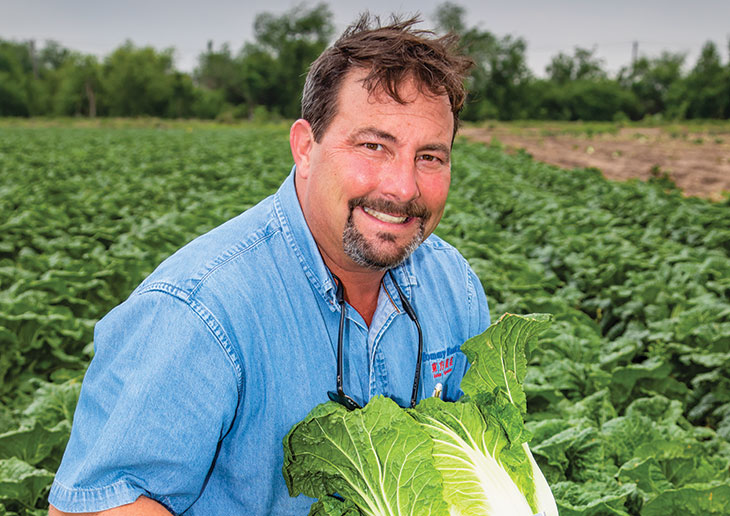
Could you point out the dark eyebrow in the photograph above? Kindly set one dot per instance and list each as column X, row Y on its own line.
column 438, row 147
column 383, row 135
column 372, row 131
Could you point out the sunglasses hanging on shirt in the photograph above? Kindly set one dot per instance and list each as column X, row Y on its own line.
column 340, row 396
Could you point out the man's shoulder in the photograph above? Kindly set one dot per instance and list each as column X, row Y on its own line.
column 452, row 286
column 439, row 266
column 436, row 249
column 189, row 267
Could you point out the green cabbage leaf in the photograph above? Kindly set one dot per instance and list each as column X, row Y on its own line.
column 464, row 458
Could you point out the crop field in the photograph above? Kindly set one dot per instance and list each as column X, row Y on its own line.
column 628, row 391
column 695, row 155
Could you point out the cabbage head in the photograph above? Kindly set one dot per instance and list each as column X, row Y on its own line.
column 465, row 458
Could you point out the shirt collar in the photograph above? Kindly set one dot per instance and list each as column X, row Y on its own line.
column 300, row 239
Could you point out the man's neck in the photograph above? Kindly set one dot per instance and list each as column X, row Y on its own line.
column 362, row 288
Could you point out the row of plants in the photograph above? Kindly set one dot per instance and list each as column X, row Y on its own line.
column 628, row 394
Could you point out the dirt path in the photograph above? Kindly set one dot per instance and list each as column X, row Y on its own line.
column 698, row 163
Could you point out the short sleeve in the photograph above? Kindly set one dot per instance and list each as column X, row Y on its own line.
column 159, row 395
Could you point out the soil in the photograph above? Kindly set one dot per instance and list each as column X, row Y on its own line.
column 698, row 163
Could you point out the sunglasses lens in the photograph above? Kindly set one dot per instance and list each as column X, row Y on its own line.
column 343, row 400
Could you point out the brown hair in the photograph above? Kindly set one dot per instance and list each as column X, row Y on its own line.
column 392, row 54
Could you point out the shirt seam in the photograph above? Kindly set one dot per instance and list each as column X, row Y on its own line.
column 165, row 500
column 470, row 296
column 291, row 239
column 240, row 249
column 100, row 488
column 210, row 321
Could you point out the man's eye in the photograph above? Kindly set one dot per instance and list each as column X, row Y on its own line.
column 430, row 158
column 373, row 146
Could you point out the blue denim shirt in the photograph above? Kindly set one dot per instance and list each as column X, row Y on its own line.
column 199, row 375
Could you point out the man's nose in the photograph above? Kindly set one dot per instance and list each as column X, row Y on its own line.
column 400, row 181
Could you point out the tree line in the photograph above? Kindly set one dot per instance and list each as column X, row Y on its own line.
column 264, row 79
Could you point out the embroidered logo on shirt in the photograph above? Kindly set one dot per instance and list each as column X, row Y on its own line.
column 441, row 362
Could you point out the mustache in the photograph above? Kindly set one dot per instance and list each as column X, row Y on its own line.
column 411, row 209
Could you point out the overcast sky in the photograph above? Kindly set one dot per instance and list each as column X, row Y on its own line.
column 548, row 26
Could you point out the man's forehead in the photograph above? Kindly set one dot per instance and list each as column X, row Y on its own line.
column 355, row 98
column 403, row 91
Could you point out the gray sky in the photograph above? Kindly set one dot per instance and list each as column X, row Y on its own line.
column 549, row 27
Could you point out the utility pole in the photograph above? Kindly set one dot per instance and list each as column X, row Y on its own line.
column 634, row 53
column 33, row 59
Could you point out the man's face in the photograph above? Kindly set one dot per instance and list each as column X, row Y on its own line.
column 375, row 185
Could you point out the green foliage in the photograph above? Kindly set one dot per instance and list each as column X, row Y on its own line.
column 370, row 457
column 85, row 215
column 637, row 358
column 269, row 73
column 497, row 358
column 578, row 87
column 13, row 78
column 583, row 99
column 655, row 82
column 467, row 457
column 627, row 392
column 707, row 86
column 293, row 41
column 79, row 86
column 499, row 85
column 21, row 485
column 583, row 65
column 141, row 79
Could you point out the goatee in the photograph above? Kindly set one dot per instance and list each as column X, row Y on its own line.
column 365, row 253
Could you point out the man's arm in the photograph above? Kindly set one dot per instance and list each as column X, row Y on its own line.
column 158, row 395
column 143, row 506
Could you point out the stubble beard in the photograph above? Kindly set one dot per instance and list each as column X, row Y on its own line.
column 364, row 252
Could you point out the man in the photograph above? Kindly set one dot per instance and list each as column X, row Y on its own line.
column 199, row 375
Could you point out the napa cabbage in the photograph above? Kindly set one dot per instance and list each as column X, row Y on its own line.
column 464, row 458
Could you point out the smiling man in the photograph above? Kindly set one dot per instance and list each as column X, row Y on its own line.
column 374, row 186
column 333, row 288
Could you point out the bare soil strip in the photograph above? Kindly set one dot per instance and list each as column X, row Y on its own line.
column 699, row 163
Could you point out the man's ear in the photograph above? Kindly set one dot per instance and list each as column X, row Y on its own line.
column 301, row 141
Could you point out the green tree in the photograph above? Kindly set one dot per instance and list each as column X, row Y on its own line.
column 651, row 80
column 294, row 39
column 500, row 83
column 28, row 77
column 13, row 80
column 269, row 72
column 727, row 81
column 36, row 81
column 137, row 81
column 220, row 70
column 450, row 18
column 79, row 86
column 560, row 70
column 584, row 99
column 706, row 86
column 53, row 55
column 583, row 65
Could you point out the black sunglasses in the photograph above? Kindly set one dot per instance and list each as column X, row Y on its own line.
column 340, row 396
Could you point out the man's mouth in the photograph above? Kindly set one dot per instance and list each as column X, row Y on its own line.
column 390, row 212
column 385, row 217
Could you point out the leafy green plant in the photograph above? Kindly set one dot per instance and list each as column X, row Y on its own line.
column 468, row 457
column 636, row 275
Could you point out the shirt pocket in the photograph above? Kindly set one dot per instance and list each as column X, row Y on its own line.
column 443, row 366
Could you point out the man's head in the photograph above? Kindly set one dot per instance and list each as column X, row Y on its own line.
column 390, row 54
column 373, row 147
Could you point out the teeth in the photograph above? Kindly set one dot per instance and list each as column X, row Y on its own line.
column 384, row 216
